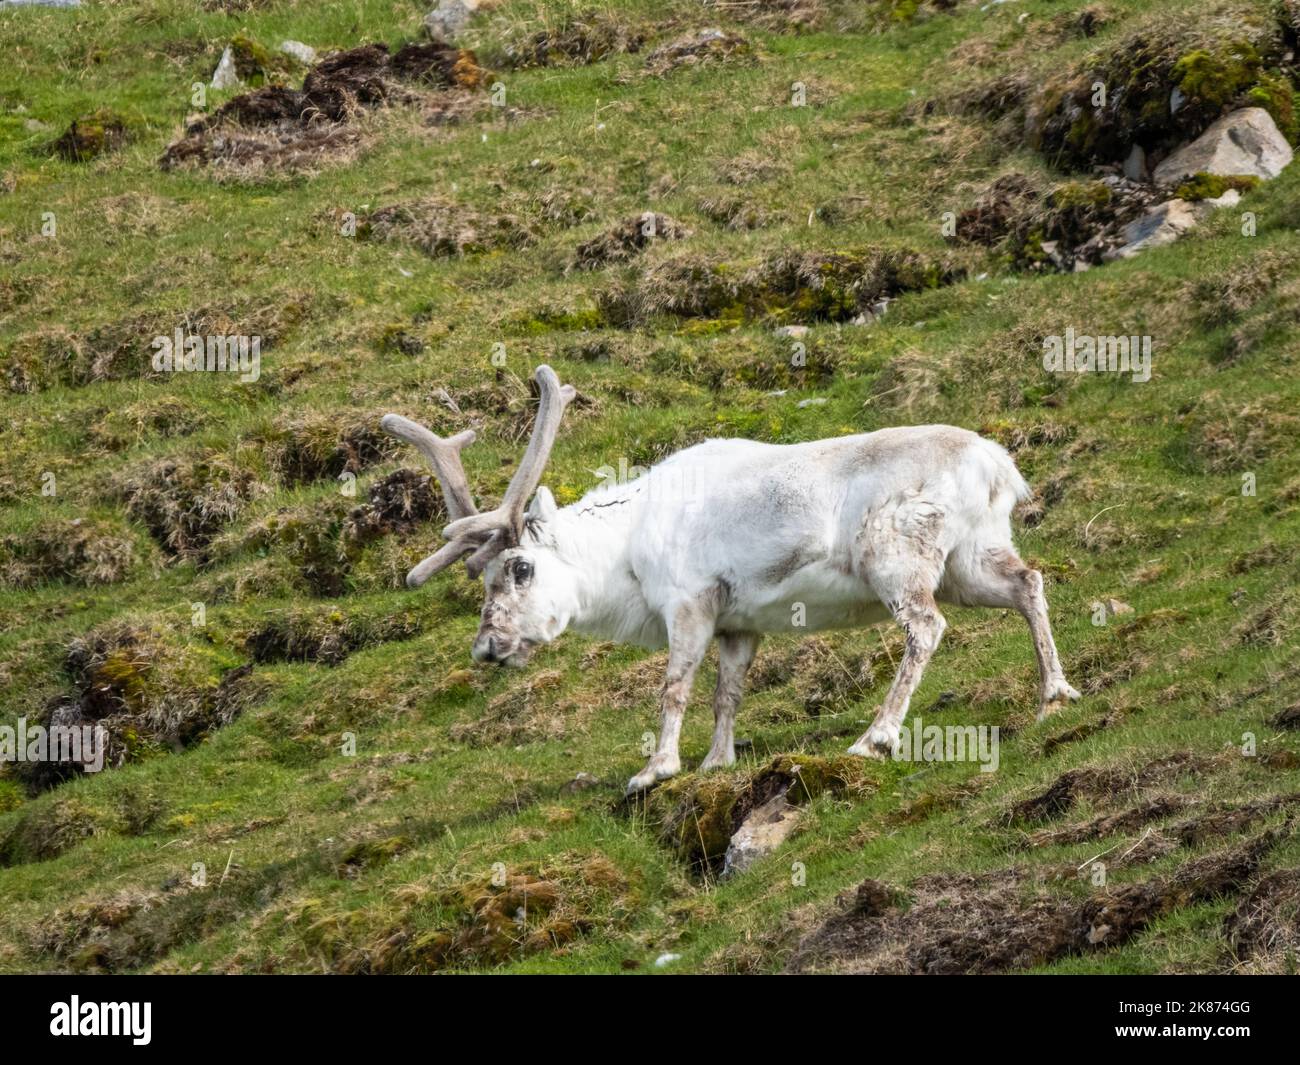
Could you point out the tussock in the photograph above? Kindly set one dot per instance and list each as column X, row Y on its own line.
column 441, row 227
column 327, row 636
column 627, row 239
column 79, row 550
column 700, row 47
column 185, row 501
column 539, row 907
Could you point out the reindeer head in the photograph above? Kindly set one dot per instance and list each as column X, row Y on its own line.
column 528, row 597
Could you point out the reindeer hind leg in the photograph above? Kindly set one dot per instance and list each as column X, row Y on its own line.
column 735, row 654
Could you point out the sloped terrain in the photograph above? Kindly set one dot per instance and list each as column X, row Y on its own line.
column 306, row 772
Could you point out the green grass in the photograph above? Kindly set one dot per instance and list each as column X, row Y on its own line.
column 468, row 765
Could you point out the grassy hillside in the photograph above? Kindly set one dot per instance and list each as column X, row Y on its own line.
column 186, row 558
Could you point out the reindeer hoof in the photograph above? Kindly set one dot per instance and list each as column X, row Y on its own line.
column 651, row 775
column 1057, row 696
column 717, row 761
column 878, row 743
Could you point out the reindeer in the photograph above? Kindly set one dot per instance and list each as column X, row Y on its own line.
column 732, row 539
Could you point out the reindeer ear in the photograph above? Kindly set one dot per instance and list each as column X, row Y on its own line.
column 543, row 506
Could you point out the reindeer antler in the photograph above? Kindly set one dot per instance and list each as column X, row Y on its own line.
column 508, row 518
column 483, row 534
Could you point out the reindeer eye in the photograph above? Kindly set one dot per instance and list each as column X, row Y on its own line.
column 522, row 570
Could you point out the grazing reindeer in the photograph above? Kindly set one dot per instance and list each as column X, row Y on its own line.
column 732, row 539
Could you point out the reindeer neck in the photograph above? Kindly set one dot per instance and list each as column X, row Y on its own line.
column 592, row 537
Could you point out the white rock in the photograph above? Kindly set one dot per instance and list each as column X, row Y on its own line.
column 765, row 829
column 1161, row 225
column 449, row 18
column 816, row 402
column 666, row 959
column 795, row 331
column 225, row 76
column 1244, row 142
column 304, row 53
column 1176, row 100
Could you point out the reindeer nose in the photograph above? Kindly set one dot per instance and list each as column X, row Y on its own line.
column 485, row 650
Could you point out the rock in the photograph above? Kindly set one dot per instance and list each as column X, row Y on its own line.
column 1116, row 607
column 304, row 53
column 795, row 331
column 765, row 829
column 1243, row 142
column 225, row 76
column 1161, row 225
column 814, row 402
column 449, row 18
column 1135, row 166
column 581, row 782
column 665, row 960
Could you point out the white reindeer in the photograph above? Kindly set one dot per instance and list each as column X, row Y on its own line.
column 732, row 539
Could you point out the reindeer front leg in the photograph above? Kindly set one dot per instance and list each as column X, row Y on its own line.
column 688, row 640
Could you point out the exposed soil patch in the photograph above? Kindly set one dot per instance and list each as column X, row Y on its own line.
column 1263, row 932
column 1103, row 782
column 277, row 129
column 1148, row 810
column 1226, row 820
column 996, row 922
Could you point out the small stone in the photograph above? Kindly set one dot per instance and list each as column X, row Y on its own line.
column 1116, row 607
column 304, row 53
column 816, row 401
column 666, row 959
column 1135, row 166
column 581, row 782
column 792, row 331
